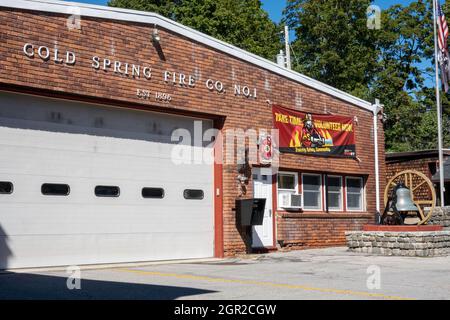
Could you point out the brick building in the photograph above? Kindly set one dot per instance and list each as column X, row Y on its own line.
column 90, row 99
column 425, row 161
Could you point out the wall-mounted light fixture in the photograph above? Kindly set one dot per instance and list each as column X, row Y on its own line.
column 155, row 36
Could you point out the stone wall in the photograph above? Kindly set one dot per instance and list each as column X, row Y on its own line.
column 411, row 244
column 441, row 216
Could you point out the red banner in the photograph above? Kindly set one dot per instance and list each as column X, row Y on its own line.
column 314, row 134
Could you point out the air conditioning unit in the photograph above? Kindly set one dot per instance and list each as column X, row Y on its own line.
column 296, row 201
column 290, row 201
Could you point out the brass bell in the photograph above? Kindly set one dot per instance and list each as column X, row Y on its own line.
column 404, row 202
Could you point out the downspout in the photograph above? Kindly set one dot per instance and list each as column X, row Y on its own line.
column 376, row 110
column 327, row 208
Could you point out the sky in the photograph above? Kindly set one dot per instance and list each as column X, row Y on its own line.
column 275, row 7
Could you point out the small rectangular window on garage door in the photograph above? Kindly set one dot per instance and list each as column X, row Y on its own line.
column 107, row 191
column 55, row 189
column 153, row 193
column 193, row 194
column 6, row 187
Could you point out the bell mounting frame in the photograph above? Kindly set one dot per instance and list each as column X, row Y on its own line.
column 416, row 182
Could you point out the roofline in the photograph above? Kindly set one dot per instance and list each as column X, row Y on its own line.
column 419, row 153
column 112, row 13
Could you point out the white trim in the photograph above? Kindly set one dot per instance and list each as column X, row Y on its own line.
column 150, row 18
column 289, row 173
column 363, row 201
column 341, row 204
column 295, row 174
column 259, row 172
column 321, row 192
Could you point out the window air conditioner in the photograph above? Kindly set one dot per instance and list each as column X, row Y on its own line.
column 285, row 200
column 296, row 201
column 290, row 201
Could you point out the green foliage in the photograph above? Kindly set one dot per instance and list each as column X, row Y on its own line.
column 335, row 46
column 333, row 43
column 242, row 23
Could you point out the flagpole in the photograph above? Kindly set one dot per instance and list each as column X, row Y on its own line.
column 438, row 107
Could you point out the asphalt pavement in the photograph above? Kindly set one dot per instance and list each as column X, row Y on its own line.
column 332, row 273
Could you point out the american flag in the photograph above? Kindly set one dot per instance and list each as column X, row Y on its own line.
column 442, row 28
column 443, row 55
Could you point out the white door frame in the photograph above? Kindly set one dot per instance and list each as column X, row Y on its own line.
column 263, row 236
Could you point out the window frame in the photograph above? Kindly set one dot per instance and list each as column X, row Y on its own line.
column 12, row 187
column 341, row 205
column 320, row 190
column 163, row 192
column 191, row 189
column 362, row 193
column 55, row 194
column 292, row 191
column 107, row 196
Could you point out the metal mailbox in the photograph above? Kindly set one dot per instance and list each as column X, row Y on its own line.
column 250, row 212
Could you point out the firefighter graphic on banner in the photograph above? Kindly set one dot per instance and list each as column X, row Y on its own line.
column 326, row 135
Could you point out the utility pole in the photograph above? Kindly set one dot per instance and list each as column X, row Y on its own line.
column 288, row 50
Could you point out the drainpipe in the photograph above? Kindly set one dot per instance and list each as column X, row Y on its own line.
column 377, row 107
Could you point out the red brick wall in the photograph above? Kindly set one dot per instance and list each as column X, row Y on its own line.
column 306, row 230
column 130, row 42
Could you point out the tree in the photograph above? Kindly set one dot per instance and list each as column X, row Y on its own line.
column 404, row 42
column 333, row 43
column 392, row 63
column 242, row 23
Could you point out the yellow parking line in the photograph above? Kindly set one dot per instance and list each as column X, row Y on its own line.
column 265, row 284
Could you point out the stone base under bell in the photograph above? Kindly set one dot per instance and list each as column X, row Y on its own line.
column 406, row 241
column 401, row 228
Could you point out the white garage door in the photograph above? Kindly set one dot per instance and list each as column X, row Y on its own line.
column 85, row 184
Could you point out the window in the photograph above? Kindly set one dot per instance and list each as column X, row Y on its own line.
column 355, row 190
column 192, row 194
column 312, row 191
column 287, row 181
column 6, row 187
column 55, row 189
column 287, row 185
column 334, row 188
column 107, row 191
column 153, row 193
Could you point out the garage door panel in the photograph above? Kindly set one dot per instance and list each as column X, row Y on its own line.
column 131, row 150
column 85, row 219
column 56, row 115
column 110, row 248
column 46, row 142
column 29, row 192
column 55, row 163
